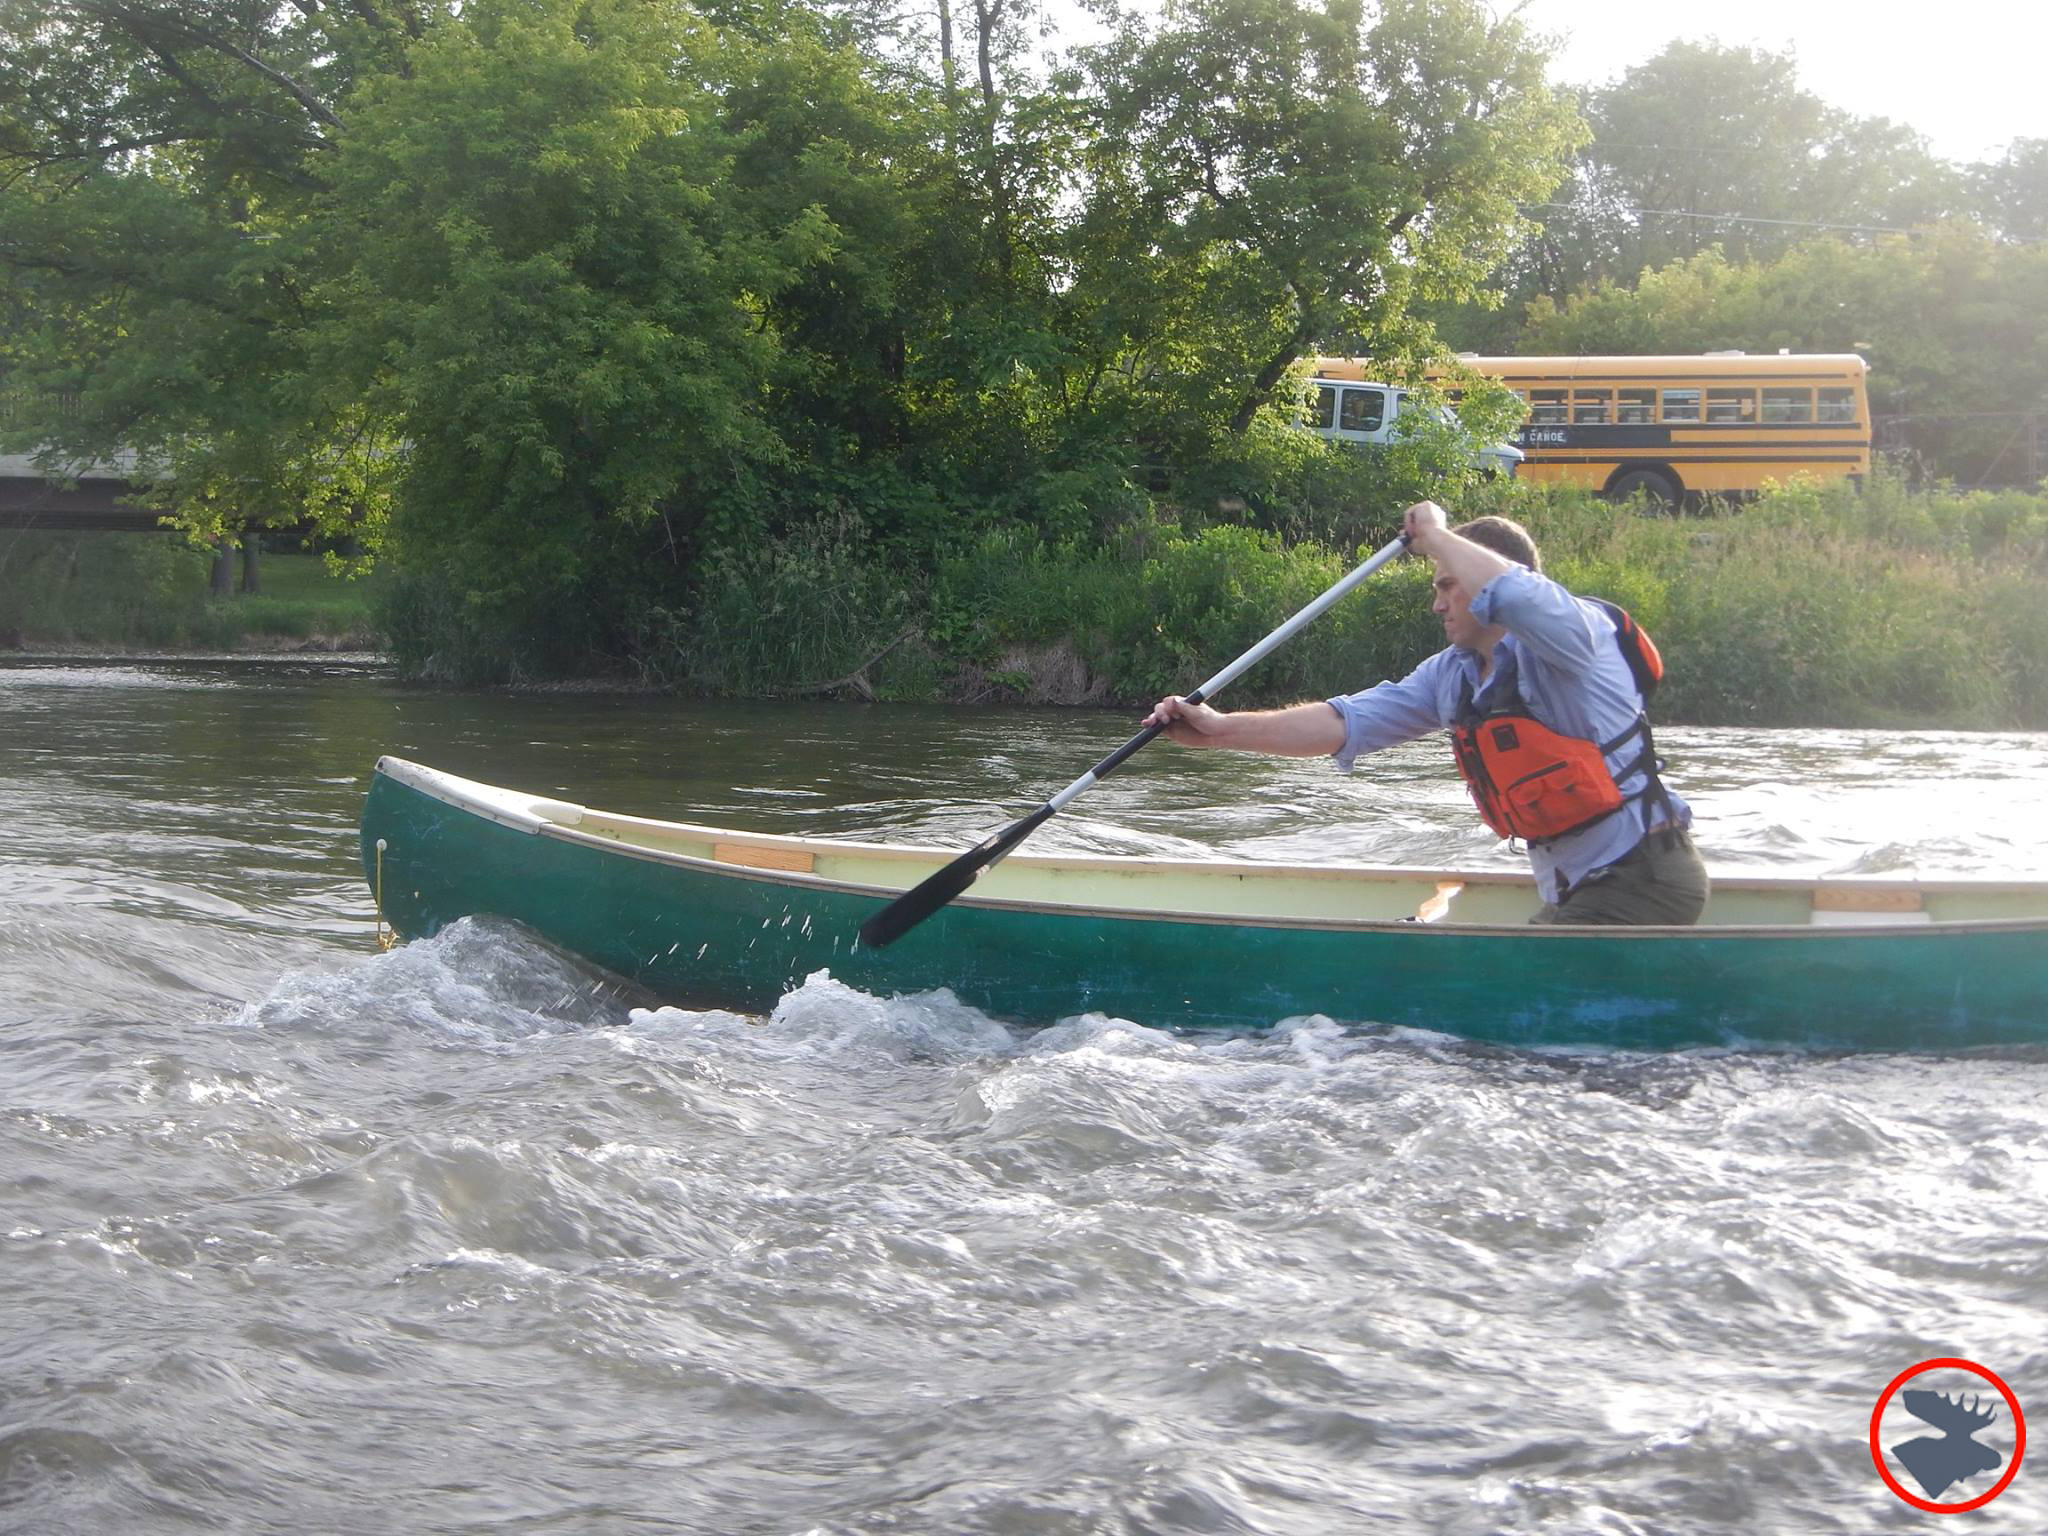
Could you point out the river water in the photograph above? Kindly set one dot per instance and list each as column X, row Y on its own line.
column 298, row 1237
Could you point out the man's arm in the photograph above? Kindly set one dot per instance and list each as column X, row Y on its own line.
column 1530, row 606
column 1305, row 730
column 1471, row 565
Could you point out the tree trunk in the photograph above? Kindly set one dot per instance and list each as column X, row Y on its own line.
column 1268, row 376
column 988, row 15
column 223, row 580
column 251, row 545
column 946, row 59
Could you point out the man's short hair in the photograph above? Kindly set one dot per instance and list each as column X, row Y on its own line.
column 1505, row 537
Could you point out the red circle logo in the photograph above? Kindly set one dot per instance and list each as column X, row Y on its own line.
column 1958, row 1433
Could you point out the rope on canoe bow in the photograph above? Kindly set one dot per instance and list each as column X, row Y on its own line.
column 387, row 936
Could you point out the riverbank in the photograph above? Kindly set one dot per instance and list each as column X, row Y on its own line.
column 1812, row 606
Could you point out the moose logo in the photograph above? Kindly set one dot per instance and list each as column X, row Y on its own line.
column 1937, row 1462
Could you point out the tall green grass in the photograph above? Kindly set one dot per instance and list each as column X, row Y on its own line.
column 1820, row 605
column 1812, row 605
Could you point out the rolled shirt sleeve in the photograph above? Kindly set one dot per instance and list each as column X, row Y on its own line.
column 1394, row 712
column 1544, row 617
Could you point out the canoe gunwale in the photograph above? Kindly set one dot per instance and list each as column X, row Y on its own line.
column 561, row 821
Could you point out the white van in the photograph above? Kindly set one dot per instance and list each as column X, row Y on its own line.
column 1351, row 411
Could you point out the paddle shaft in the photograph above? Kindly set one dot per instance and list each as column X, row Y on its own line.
column 1231, row 673
column 918, row 903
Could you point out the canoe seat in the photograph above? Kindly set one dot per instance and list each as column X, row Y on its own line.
column 1849, row 906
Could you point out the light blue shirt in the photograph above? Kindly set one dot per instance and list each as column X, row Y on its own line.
column 1560, row 653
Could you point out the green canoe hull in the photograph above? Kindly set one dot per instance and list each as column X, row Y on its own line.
column 703, row 935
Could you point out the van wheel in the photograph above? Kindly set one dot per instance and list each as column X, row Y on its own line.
column 1661, row 489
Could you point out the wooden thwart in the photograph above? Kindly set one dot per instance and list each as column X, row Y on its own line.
column 753, row 856
column 1851, row 899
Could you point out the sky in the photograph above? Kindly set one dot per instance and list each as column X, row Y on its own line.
column 1966, row 73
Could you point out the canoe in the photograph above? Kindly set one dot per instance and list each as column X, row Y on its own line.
column 705, row 916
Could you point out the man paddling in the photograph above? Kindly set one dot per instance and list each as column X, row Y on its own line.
column 1543, row 694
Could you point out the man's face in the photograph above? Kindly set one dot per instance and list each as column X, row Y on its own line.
column 1453, row 604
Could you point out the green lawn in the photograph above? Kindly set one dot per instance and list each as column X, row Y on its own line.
column 150, row 591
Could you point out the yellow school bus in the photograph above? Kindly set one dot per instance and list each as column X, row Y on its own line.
column 1720, row 423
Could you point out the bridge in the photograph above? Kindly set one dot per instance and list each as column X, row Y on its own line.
column 91, row 497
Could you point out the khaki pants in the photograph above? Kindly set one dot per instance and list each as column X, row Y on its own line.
column 1660, row 880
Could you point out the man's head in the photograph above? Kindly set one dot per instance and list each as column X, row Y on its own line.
column 1505, row 537
column 1450, row 601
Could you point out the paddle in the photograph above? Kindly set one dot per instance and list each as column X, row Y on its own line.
column 921, row 901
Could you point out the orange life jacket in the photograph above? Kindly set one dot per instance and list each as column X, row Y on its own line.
column 1535, row 783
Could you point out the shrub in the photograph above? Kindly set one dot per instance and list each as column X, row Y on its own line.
column 788, row 616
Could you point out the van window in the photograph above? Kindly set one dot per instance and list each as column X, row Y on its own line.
column 1635, row 407
column 1837, row 405
column 1682, row 404
column 1363, row 410
column 1788, row 405
column 1323, row 414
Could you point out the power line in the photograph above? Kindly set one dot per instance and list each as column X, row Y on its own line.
column 1741, row 218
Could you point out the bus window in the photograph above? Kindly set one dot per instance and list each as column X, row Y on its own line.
column 1324, row 414
column 1726, row 405
column 1363, row 410
column 1681, row 405
column 1591, row 407
column 1788, row 405
column 1636, row 407
column 1546, row 408
column 1837, row 405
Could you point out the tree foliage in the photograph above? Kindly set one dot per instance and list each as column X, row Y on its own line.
column 1706, row 146
column 1298, row 173
column 162, row 167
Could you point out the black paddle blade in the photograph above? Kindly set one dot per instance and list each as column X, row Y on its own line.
column 922, row 900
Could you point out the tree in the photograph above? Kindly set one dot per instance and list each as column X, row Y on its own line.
column 2014, row 191
column 544, row 271
column 1711, row 146
column 159, row 166
column 1273, row 175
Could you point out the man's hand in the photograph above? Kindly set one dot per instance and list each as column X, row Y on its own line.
column 1191, row 725
column 1304, row 730
column 1421, row 524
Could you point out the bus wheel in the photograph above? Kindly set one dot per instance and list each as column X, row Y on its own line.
column 1657, row 486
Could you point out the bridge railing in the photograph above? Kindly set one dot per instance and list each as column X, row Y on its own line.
column 17, row 404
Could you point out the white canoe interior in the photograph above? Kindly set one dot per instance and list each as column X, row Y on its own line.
column 1218, row 888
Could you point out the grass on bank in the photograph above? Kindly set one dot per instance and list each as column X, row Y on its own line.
column 1812, row 605
column 149, row 591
